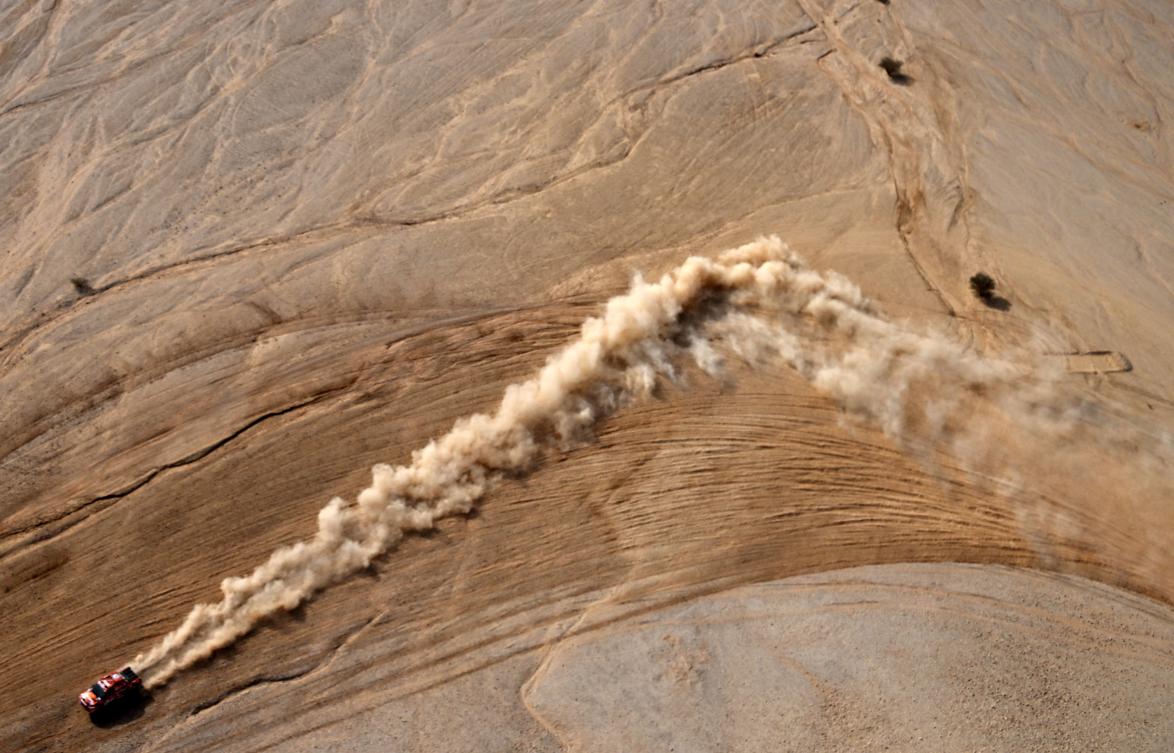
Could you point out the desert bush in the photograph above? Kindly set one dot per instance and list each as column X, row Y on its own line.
column 983, row 286
column 892, row 66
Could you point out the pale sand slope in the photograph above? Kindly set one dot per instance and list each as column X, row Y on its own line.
column 307, row 236
column 914, row 657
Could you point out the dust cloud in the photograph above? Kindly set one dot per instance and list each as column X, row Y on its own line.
column 758, row 303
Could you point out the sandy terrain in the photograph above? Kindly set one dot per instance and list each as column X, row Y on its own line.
column 251, row 249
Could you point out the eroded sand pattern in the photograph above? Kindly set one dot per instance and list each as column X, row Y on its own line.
column 252, row 250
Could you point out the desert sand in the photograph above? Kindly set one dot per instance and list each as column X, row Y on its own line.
column 253, row 249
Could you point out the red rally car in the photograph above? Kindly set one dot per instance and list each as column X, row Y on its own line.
column 109, row 689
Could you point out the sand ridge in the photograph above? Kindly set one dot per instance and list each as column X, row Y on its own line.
column 251, row 251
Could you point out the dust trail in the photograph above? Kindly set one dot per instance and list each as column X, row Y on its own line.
column 758, row 302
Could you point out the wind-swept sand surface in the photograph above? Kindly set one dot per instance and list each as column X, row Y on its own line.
column 252, row 249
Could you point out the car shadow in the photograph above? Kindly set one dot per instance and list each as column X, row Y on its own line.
column 997, row 302
column 123, row 711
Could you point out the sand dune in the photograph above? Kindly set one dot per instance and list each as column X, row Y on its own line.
column 251, row 251
column 759, row 302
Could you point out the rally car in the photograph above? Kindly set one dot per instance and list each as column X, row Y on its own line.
column 109, row 689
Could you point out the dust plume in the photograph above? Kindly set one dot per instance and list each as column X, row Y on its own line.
column 758, row 303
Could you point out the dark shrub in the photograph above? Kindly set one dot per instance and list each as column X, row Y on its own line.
column 892, row 67
column 983, row 286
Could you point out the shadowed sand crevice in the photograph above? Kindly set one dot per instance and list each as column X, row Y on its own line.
column 47, row 529
column 759, row 51
column 329, row 656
